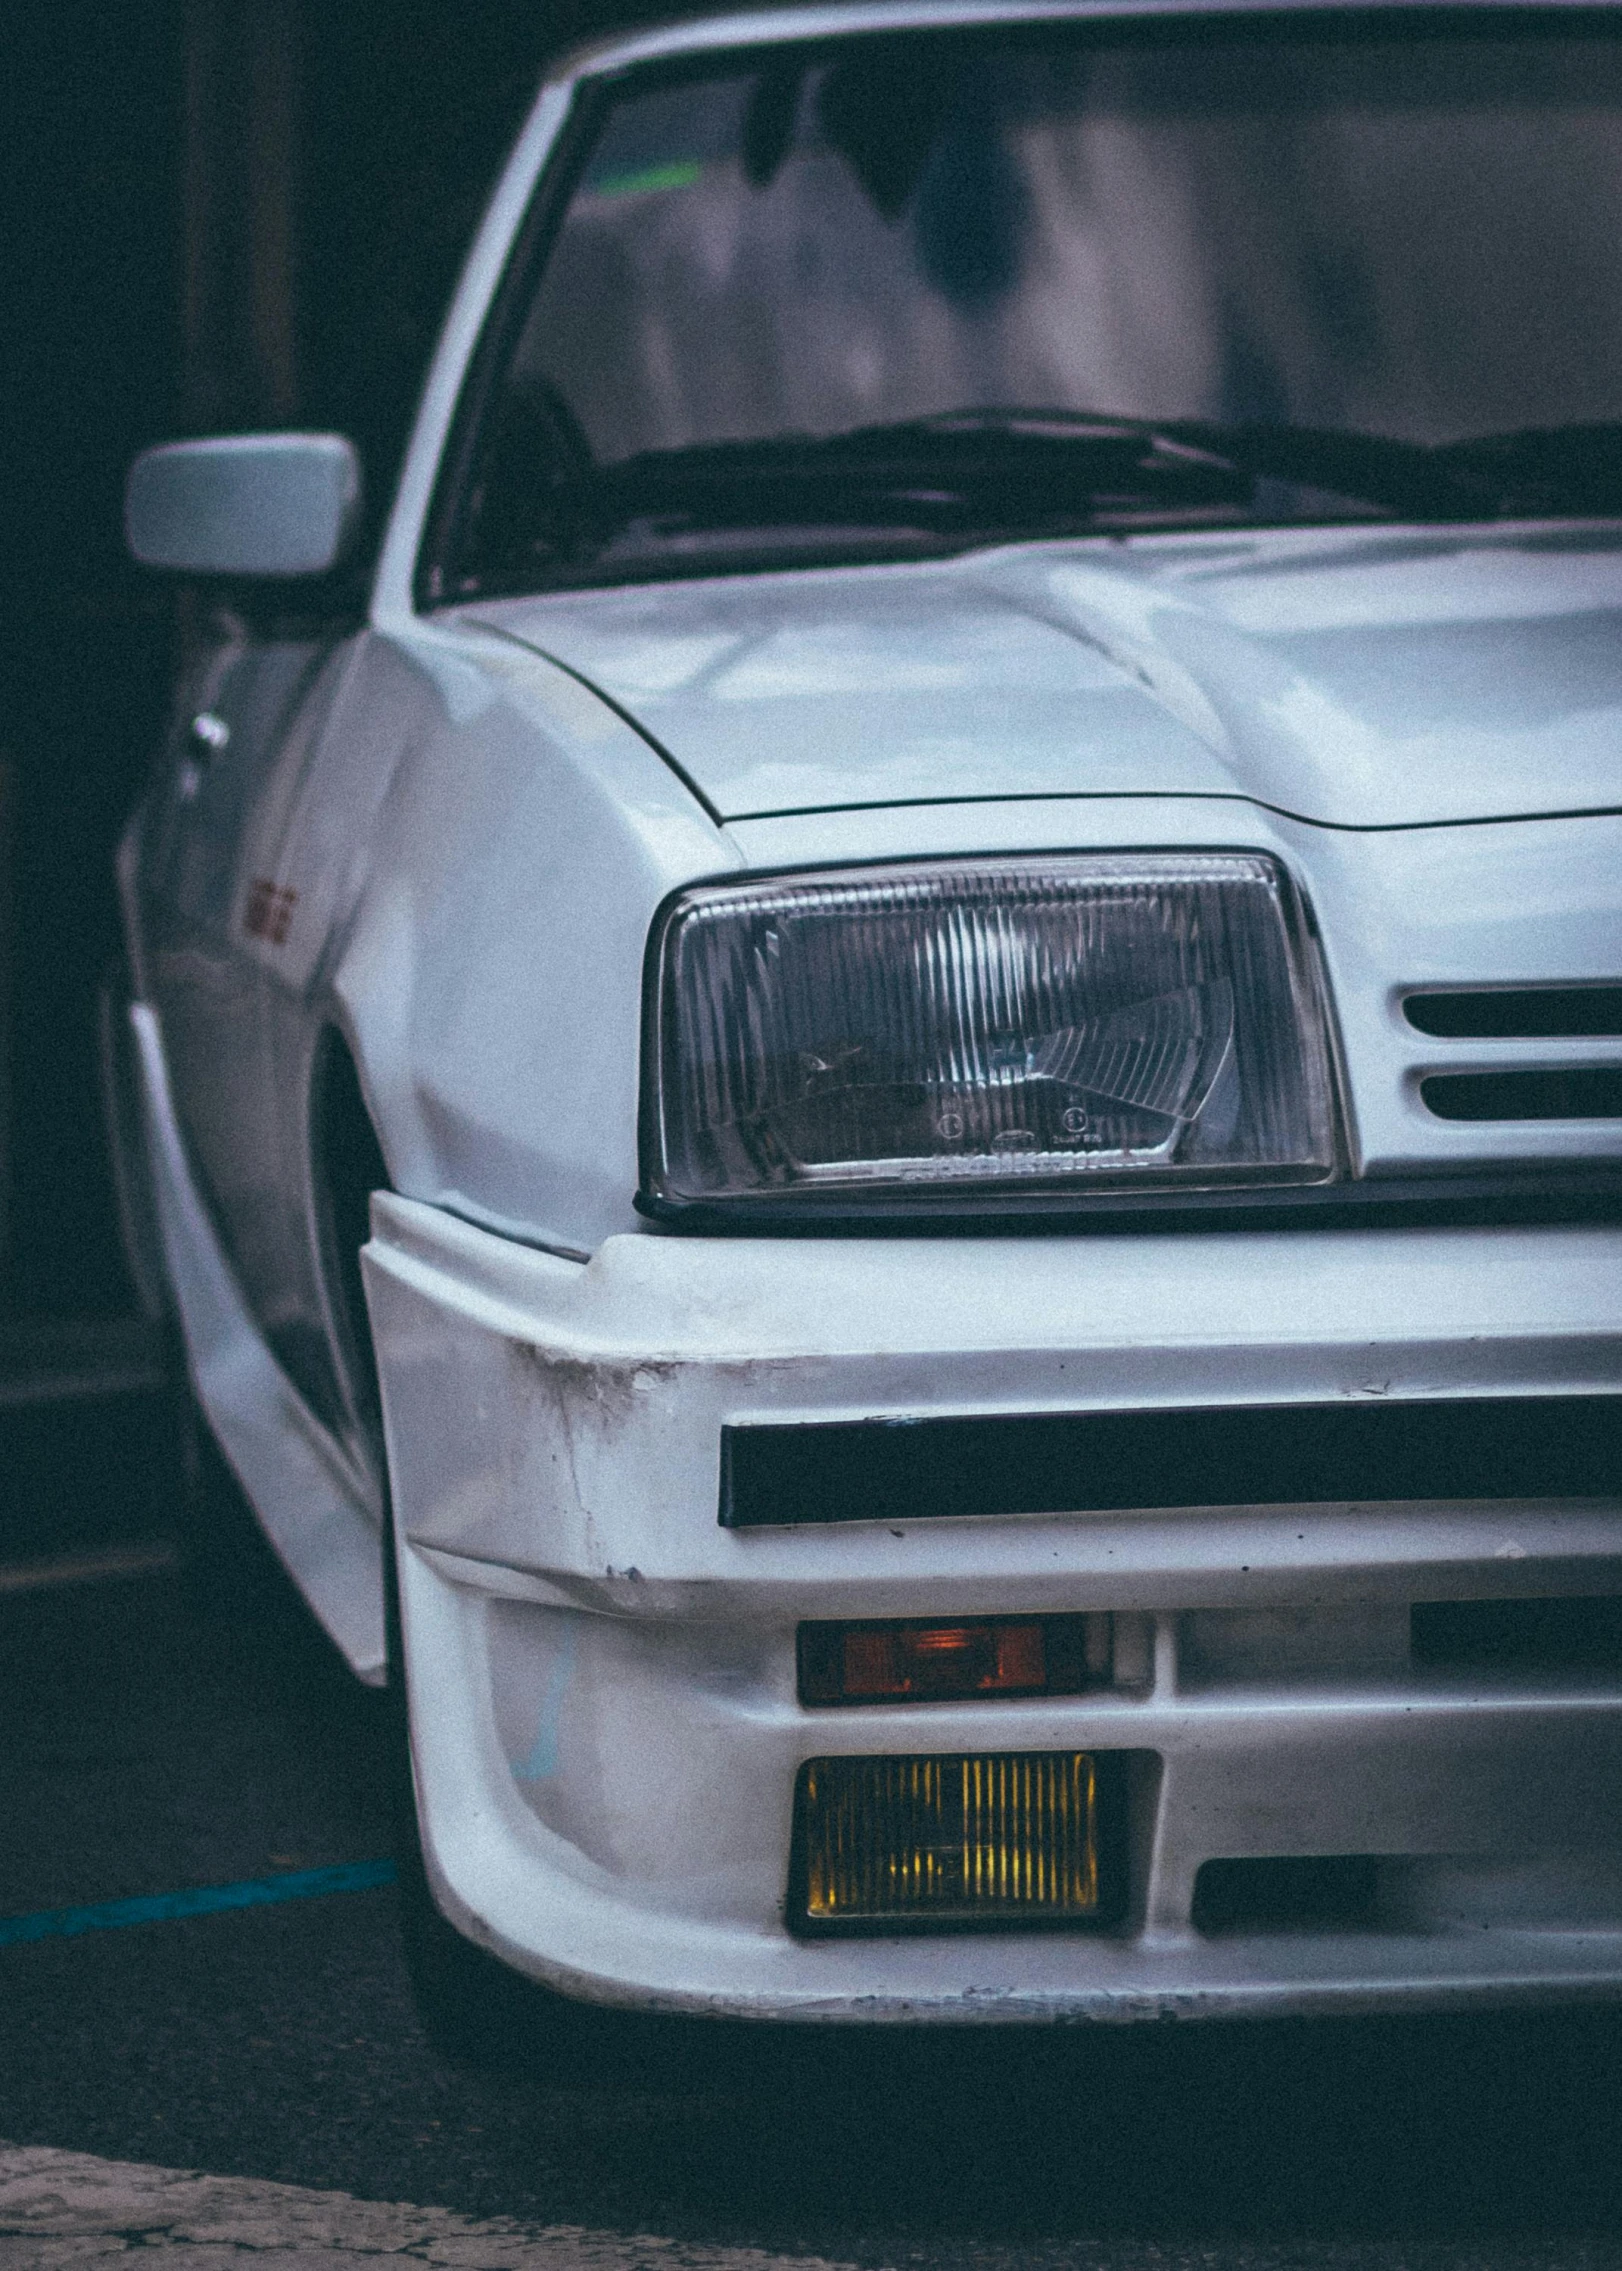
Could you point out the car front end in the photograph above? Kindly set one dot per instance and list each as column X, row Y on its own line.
column 976, row 1600
column 968, row 877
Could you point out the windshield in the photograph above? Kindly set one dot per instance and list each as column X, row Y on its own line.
column 1207, row 237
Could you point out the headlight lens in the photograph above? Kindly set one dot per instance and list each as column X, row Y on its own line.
column 1102, row 1020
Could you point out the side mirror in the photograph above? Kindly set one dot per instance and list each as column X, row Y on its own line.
column 244, row 505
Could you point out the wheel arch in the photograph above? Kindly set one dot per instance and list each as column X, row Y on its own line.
column 346, row 1164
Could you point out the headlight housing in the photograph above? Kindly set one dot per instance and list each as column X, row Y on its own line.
column 1091, row 1021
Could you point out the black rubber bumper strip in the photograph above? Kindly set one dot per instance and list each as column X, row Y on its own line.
column 892, row 1470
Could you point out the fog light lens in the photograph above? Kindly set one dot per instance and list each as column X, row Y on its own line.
column 1005, row 1837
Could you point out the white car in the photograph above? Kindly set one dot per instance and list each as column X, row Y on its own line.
column 954, row 888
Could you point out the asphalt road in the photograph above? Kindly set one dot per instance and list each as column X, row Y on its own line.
column 157, row 1735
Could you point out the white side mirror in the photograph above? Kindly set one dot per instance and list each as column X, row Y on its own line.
column 244, row 505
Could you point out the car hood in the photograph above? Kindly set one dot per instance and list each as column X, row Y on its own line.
column 1357, row 678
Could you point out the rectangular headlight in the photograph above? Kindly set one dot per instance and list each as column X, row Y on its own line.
column 1098, row 1020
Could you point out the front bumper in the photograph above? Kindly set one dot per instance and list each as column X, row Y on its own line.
column 605, row 1722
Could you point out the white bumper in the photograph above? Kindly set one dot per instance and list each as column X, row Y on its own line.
column 602, row 1676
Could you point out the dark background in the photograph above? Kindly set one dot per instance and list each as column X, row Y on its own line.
column 217, row 215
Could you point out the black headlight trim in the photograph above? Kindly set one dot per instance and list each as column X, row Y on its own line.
column 1584, row 1194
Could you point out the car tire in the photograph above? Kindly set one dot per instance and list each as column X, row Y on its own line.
column 472, row 2008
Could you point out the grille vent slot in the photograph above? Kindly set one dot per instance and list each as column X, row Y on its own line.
column 1519, row 1013
column 1584, row 1092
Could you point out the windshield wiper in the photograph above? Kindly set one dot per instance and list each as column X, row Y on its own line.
column 1538, row 471
column 1521, row 473
column 938, row 484
column 1527, row 473
column 1397, row 479
column 918, row 486
column 948, row 476
column 1402, row 480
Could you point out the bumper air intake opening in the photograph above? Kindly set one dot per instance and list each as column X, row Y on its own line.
column 1005, row 1840
column 1560, row 1635
column 1308, row 1893
column 1570, row 1884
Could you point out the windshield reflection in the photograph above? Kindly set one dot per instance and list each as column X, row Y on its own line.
column 1377, row 243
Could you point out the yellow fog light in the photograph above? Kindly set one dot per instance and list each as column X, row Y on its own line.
column 1007, row 1837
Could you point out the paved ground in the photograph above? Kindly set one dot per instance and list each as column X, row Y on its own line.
column 154, row 1738
column 71, row 2208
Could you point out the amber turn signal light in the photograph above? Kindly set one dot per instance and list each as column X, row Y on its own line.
column 932, row 1662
